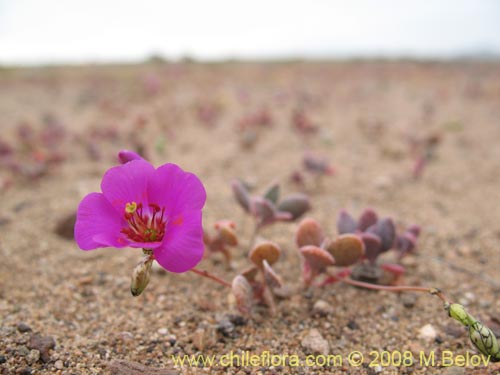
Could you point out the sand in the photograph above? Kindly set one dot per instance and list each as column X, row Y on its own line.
column 365, row 112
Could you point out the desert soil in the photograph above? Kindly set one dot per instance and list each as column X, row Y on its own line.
column 67, row 311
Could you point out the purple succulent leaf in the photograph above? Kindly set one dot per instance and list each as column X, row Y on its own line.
column 272, row 193
column 386, row 231
column 283, row 216
column 406, row 243
column 373, row 246
column 264, row 210
column 396, row 269
column 243, row 293
column 241, row 194
column 414, row 229
column 346, row 223
column 295, row 204
column 367, row 218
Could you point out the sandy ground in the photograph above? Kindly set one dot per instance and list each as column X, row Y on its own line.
column 366, row 112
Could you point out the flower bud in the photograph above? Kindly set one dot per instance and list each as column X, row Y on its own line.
column 141, row 276
column 481, row 336
column 484, row 340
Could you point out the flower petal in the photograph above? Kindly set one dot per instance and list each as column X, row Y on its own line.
column 176, row 190
column 127, row 183
column 124, row 156
column 182, row 247
column 98, row 224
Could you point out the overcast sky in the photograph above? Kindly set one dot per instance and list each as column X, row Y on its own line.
column 44, row 31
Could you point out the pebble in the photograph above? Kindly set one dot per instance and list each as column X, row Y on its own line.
column 454, row 371
column 225, row 327
column 163, row 331
column 315, row 343
column 3, row 359
column 322, row 308
column 24, row 371
column 23, row 327
column 43, row 344
column 33, row 356
column 59, row 365
column 408, row 300
column 427, row 332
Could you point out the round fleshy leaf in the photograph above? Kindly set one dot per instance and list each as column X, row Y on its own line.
column 406, row 243
column 368, row 218
column 414, row 229
column 226, row 233
column 296, row 204
column 317, row 258
column 386, row 231
column 241, row 194
column 347, row 249
column 242, row 291
column 266, row 250
column 393, row 268
column 264, row 210
column 272, row 193
column 309, row 232
column 346, row 223
column 373, row 246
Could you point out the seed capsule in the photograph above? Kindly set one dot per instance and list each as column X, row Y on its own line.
column 141, row 276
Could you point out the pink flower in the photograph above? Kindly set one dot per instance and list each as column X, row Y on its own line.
column 144, row 207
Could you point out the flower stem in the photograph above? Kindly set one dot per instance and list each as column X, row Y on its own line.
column 402, row 288
column 208, row 275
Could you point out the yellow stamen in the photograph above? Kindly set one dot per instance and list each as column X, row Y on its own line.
column 130, row 207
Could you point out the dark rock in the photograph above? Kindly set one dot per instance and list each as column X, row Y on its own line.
column 352, row 325
column 65, row 226
column 43, row 344
column 225, row 327
column 3, row 359
column 24, row 371
column 23, row 327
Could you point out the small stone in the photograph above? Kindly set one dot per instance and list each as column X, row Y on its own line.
column 454, row 371
column 163, row 331
column 33, row 356
column 43, row 344
column 24, row 371
column 322, row 308
column 59, row 365
column 427, row 332
column 22, row 351
column 409, row 300
column 352, row 325
column 225, row 327
column 3, row 359
column 23, row 327
column 315, row 343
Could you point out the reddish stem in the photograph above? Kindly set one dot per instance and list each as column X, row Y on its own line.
column 212, row 277
column 401, row 288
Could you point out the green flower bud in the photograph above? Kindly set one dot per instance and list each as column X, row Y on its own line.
column 481, row 336
column 141, row 276
column 484, row 340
